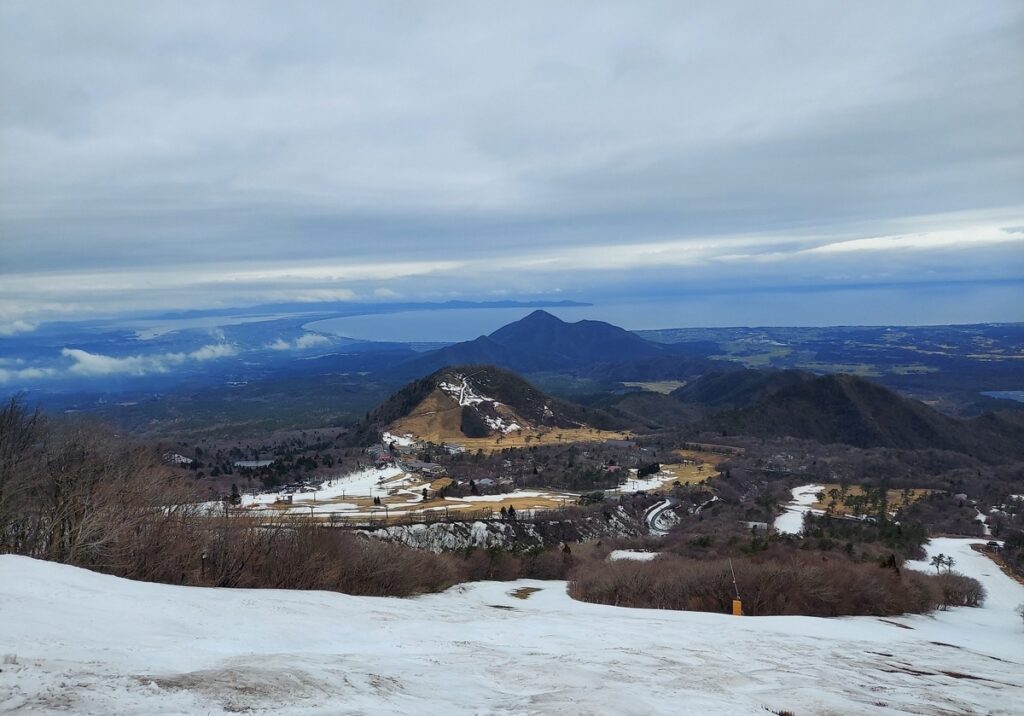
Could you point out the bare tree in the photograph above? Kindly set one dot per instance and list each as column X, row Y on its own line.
column 20, row 431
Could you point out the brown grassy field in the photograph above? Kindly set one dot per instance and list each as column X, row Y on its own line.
column 545, row 436
column 438, row 415
column 896, row 498
column 688, row 474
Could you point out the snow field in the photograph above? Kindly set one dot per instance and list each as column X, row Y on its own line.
column 94, row 644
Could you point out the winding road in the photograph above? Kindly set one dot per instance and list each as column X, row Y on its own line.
column 653, row 515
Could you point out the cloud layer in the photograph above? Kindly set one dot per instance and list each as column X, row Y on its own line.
column 157, row 158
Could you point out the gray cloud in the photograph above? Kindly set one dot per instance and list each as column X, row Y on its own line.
column 156, row 157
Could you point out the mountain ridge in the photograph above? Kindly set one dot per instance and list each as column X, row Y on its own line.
column 848, row 409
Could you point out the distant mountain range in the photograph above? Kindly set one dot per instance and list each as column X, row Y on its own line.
column 282, row 372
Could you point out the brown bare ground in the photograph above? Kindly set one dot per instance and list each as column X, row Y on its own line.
column 438, row 415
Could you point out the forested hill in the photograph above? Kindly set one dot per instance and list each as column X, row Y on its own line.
column 848, row 409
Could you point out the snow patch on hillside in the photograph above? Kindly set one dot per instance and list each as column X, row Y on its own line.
column 500, row 425
column 407, row 440
column 463, row 392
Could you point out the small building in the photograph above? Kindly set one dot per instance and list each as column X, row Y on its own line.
column 425, row 468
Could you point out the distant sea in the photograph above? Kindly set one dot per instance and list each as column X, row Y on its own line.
column 865, row 306
column 1017, row 395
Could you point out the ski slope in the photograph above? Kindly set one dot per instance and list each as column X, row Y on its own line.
column 791, row 521
column 86, row 643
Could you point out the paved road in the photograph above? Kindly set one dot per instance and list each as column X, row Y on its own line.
column 654, row 514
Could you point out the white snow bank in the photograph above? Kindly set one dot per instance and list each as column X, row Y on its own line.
column 642, row 485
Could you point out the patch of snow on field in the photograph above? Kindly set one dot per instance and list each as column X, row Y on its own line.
column 632, row 554
column 792, row 520
column 515, row 495
column 633, row 484
column 89, row 643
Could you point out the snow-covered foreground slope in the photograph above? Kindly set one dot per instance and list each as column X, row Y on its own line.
column 88, row 643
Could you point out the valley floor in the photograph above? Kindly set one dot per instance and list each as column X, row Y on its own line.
column 79, row 642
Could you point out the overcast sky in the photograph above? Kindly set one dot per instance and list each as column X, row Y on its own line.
column 159, row 155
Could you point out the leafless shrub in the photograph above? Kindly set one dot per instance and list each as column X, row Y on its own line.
column 799, row 585
column 959, row 590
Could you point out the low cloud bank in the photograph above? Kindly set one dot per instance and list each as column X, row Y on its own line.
column 303, row 342
column 97, row 364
